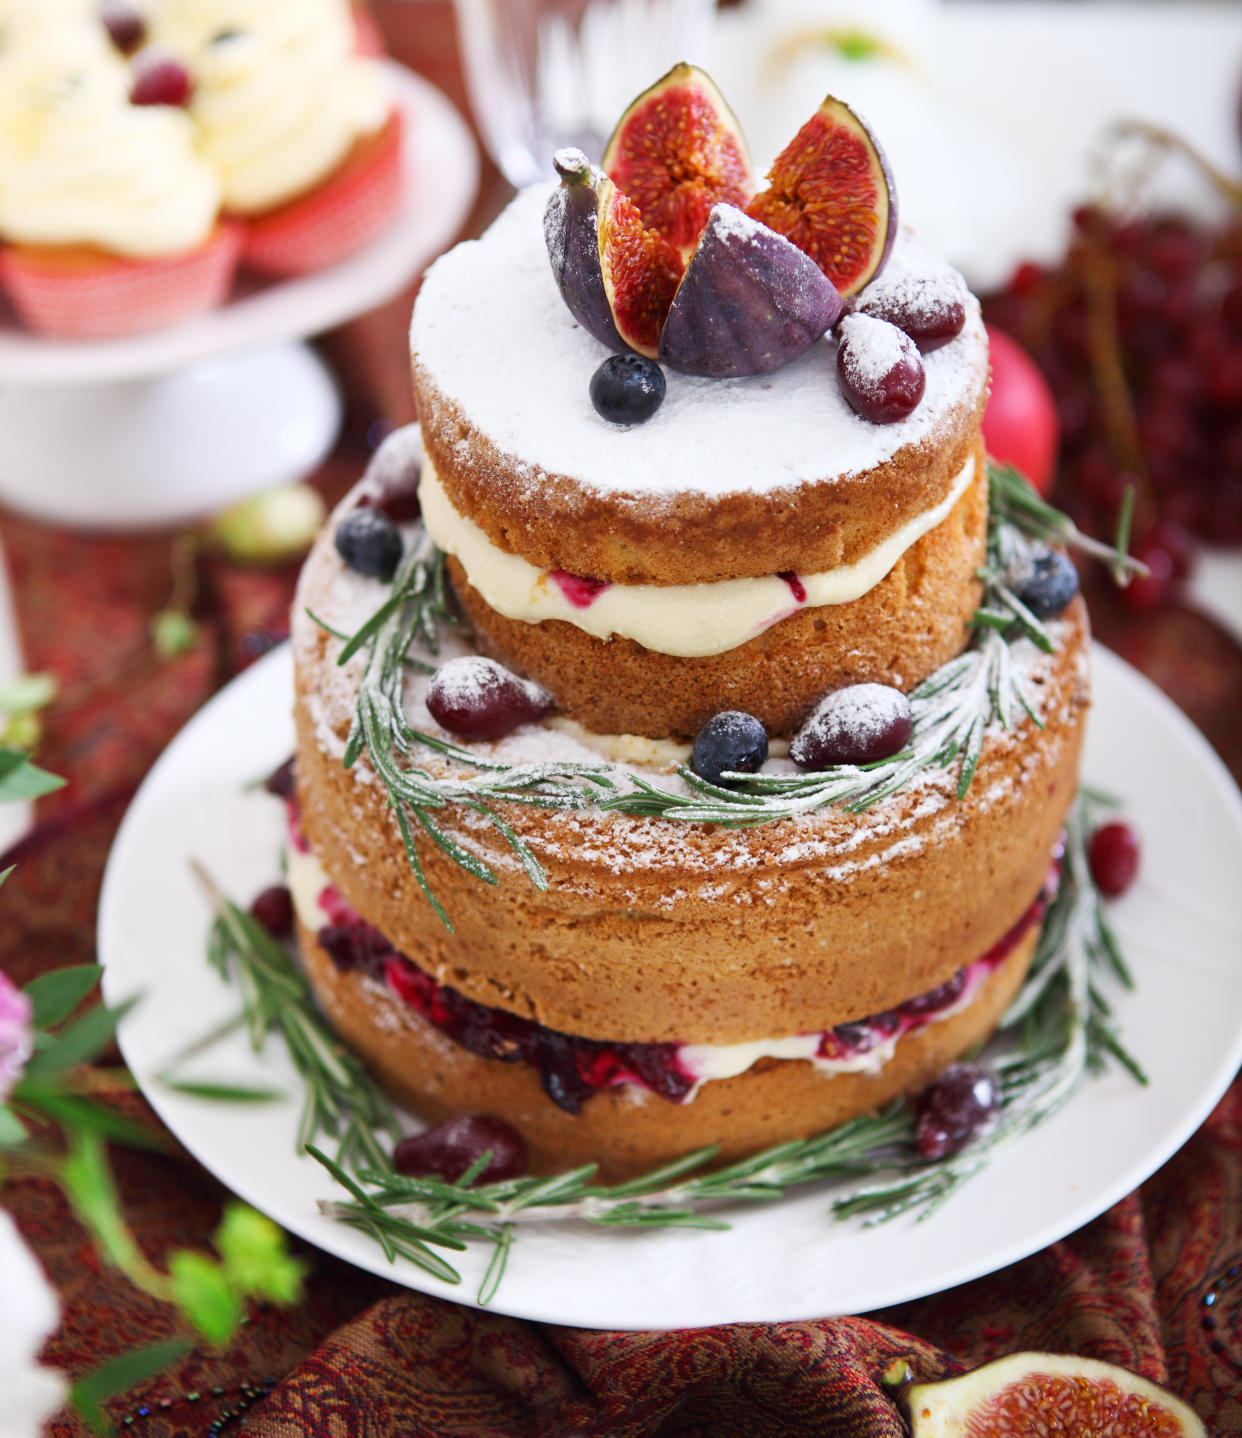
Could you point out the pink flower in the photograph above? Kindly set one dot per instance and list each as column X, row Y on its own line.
column 16, row 1037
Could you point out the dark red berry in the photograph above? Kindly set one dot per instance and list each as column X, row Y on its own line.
column 930, row 313
column 451, row 1147
column 1113, row 854
column 729, row 743
column 957, row 1108
column 369, row 543
column 394, row 472
column 125, row 26
column 879, row 368
column 158, row 79
column 273, row 908
column 280, row 781
column 1153, row 589
column 477, row 698
column 856, row 725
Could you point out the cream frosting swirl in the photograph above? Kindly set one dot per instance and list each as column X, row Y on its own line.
column 687, row 620
column 80, row 165
column 279, row 96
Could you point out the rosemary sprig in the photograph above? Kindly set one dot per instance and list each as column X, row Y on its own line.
column 341, row 1099
column 951, row 712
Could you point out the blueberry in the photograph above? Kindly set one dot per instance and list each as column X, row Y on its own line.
column 731, row 742
column 1050, row 585
column 627, row 389
column 369, row 543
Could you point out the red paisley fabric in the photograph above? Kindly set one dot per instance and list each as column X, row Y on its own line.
column 1155, row 1284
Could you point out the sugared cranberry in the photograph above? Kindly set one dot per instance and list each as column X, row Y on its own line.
column 627, row 389
column 273, row 908
column 880, row 370
column 124, row 23
column 450, row 1148
column 158, row 79
column 730, row 742
column 1113, row 853
column 394, row 472
column 369, row 543
column 957, row 1108
column 856, row 725
column 477, row 698
column 1049, row 585
column 930, row 313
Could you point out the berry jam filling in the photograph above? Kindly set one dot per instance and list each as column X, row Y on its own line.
column 573, row 1069
column 580, row 592
column 796, row 586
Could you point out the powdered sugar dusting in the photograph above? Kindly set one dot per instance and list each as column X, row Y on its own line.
column 493, row 332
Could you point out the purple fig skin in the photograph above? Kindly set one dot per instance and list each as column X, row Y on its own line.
column 749, row 301
column 571, row 233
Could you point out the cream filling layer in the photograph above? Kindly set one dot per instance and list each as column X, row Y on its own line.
column 686, row 620
column 307, row 880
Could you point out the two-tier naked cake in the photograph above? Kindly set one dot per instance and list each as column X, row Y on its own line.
column 753, row 546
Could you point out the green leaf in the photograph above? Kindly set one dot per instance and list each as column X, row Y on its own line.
column 4, row 873
column 121, row 1374
column 55, row 995
column 222, row 1092
column 80, row 1115
column 256, row 1256
column 201, row 1290
column 21, row 780
column 12, row 1129
column 87, row 1181
column 80, row 1041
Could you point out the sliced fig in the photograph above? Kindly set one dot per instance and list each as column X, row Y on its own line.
column 677, row 151
column 1049, row 1392
column 748, row 302
column 639, row 268
column 571, row 233
column 617, row 277
column 831, row 192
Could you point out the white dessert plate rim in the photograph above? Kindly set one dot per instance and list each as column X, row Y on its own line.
column 1180, row 926
column 441, row 169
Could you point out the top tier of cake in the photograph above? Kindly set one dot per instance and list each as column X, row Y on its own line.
column 731, row 478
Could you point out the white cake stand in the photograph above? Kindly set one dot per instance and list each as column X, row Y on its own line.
column 163, row 428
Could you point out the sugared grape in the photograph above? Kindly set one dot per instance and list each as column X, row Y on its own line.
column 879, row 368
column 451, row 1147
column 856, row 725
column 158, row 79
column 477, row 698
column 958, row 1107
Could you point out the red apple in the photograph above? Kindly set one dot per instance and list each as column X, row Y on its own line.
column 1020, row 425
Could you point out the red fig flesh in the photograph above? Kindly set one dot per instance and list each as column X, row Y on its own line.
column 677, row 151
column 1048, row 1393
column 748, row 303
column 640, row 271
column 831, row 193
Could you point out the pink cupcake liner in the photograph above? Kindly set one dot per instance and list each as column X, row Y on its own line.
column 70, row 294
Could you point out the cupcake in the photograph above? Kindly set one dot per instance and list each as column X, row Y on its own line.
column 300, row 128
column 109, row 217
